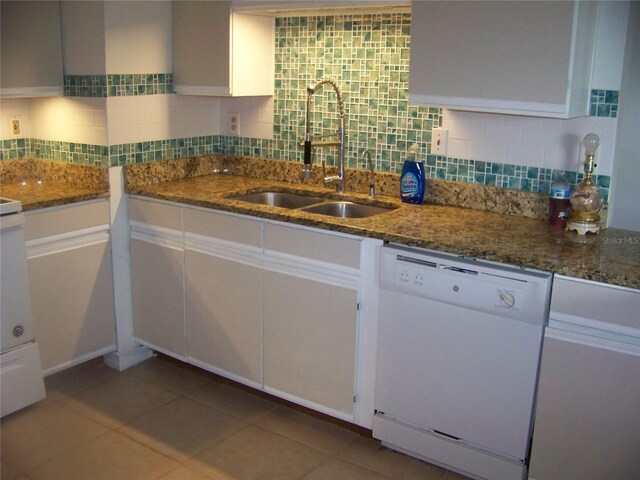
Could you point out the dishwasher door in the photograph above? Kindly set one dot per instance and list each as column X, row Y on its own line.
column 459, row 349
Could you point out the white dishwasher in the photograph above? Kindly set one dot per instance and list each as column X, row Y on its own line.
column 459, row 347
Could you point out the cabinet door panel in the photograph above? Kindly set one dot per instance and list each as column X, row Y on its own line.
column 310, row 339
column 31, row 47
column 488, row 56
column 72, row 300
column 158, row 304
column 223, row 312
column 587, row 416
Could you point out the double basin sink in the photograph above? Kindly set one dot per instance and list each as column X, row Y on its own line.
column 313, row 204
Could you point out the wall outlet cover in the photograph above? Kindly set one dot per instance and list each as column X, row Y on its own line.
column 439, row 141
column 15, row 126
column 234, row 123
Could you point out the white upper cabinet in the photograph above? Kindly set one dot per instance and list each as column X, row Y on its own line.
column 528, row 58
column 219, row 52
column 339, row 6
column 31, row 46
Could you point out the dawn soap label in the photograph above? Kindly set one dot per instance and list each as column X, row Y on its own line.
column 412, row 182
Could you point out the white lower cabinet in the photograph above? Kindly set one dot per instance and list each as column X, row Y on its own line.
column 158, row 305
column 588, row 408
column 310, row 340
column 274, row 306
column 157, row 276
column 310, row 317
column 71, row 280
column 223, row 308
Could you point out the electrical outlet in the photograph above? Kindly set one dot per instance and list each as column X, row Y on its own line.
column 15, row 126
column 439, row 141
column 234, row 123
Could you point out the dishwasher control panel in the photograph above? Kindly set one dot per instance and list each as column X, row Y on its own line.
column 500, row 289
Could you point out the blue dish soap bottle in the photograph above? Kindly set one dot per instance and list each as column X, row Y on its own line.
column 412, row 180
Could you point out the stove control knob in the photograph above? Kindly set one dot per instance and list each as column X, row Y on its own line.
column 507, row 299
column 18, row 331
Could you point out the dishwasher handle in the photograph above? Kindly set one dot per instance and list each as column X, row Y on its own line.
column 439, row 266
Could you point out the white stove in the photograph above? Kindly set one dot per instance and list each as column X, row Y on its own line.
column 21, row 381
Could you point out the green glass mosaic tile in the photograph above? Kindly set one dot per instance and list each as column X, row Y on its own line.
column 604, row 103
column 118, row 85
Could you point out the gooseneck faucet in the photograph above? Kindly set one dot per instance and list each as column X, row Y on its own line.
column 310, row 144
column 372, row 176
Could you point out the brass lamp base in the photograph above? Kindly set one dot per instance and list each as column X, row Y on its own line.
column 584, row 223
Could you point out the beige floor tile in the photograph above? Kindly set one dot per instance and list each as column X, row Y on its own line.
column 77, row 378
column 172, row 374
column 39, row 433
column 255, row 453
column 236, row 401
column 370, row 454
column 182, row 428
column 336, row 469
column 119, row 400
column 307, row 429
column 8, row 472
column 184, row 473
column 110, row 457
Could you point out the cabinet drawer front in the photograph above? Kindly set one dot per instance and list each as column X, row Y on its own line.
column 223, row 227
column 65, row 219
column 596, row 301
column 155, row 213
column 314, row 245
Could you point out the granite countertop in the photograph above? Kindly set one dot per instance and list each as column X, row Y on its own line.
column 612, row 256
column 41, row 183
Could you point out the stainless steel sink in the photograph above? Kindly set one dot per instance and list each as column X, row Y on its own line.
column 312, row 204
column 343, row 209
column 280, row 199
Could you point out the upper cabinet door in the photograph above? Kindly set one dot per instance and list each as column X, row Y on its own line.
column 218, row 52
column 528, row 58
column 31, row 49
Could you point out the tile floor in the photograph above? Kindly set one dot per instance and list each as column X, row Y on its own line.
column 163, row 419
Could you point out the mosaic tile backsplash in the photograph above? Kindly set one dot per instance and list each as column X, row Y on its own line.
column 118, row 85
column 368, row 55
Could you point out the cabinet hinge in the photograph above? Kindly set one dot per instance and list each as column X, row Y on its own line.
column 358, row 306
column 354, row 399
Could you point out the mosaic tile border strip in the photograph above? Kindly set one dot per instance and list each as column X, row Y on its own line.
column 16, row 148
column 604, row 103
column 70, row 152
column 143, row 152
column 518, row 177
column 118, row 85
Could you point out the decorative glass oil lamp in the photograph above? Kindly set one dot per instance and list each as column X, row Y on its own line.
column 586, row 199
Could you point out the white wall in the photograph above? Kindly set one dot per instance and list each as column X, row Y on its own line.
column 18, row 108
column 161, row 117
column 626, row 172
column 68, row 119
column 255, row 116
column 529, row 141
column 611, row 35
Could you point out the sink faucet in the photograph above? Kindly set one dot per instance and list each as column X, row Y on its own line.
column 372, row 177
column 310, row 144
